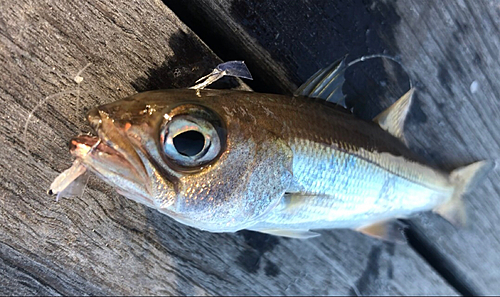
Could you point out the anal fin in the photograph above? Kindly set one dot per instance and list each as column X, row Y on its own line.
column 391, row 231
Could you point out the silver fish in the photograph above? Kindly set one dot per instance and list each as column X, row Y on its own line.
column 224, row 160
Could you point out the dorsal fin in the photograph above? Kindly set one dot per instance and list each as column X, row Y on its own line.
column 393, row 118
column 326, row 84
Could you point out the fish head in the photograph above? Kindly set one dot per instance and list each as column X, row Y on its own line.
column 183, row 153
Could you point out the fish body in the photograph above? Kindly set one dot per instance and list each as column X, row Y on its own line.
column 225, row 160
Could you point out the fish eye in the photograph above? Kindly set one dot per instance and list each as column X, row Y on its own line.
column 189, row 141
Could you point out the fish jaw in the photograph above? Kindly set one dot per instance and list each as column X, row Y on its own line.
column 111, row 166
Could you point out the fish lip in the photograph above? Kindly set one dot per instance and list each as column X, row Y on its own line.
column 111, row 165
column 111, row 156
column 89, row 149
column 83, row 145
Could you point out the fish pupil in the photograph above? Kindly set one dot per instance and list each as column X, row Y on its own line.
column 189, row 143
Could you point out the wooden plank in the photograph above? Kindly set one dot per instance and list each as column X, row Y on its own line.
column 450, row 50
column 102, row 243
column 460, row 50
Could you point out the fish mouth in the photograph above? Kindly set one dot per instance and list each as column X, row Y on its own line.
column 113, row 159
column 85, row 146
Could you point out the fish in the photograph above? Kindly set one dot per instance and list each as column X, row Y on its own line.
column 227, row 160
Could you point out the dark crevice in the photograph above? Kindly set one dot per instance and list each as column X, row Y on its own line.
column 438, row 261
column 303, row 43
column 217, row 42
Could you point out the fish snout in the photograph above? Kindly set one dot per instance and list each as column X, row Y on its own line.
column 94, row 119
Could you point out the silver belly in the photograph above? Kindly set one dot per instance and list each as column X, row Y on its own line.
column 337, row 189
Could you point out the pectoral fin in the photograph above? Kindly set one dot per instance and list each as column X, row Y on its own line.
column 300, row 234
column 290, row 203
column 326, row 84
column 391, row 231
column 393, row 118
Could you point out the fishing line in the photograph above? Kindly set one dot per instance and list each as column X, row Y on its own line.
column 78, row 79
column 30, row 115
column 382, row 56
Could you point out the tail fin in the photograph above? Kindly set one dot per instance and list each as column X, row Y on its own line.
column 464, row 178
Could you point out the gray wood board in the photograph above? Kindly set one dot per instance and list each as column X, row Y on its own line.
column 102, row 243
column 452, row 53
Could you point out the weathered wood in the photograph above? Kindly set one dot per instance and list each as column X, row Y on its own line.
column 102, row 243
column 450, row 50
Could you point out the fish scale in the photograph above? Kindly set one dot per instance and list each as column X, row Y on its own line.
column 341, row 190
